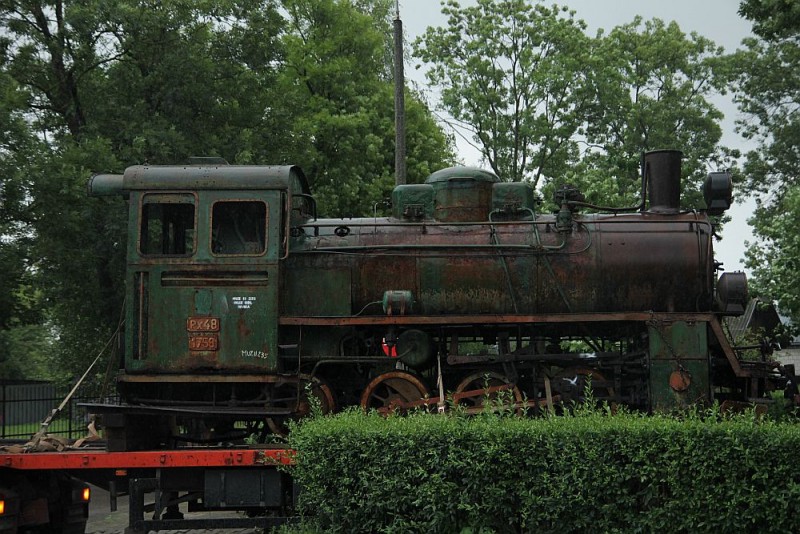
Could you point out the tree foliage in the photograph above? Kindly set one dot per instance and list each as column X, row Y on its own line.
column 16, row 145
column 548, row 104
column 339, row 84
column 768, row 95
column 650, row 88
column 512, row 73
column 772, row 18
column 775, row 259
column 20, row 301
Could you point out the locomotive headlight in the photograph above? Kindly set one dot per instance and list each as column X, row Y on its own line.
column 732, row 293
column 718, row 192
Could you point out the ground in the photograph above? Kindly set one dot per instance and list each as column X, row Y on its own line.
column 103, row 521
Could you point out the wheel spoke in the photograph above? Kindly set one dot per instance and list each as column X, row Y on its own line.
column 491, row 385
column 400, row 387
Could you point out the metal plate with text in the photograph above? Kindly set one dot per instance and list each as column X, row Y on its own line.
column 202, row 324
column 207, row 342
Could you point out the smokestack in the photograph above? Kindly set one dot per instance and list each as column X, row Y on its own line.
column 399, row 102
column 663, row 173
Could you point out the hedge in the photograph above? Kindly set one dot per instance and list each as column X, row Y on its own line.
column 587, row 473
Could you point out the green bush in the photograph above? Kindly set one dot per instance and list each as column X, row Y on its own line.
column 588, row 472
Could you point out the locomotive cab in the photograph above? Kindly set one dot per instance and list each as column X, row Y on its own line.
column 202, row 286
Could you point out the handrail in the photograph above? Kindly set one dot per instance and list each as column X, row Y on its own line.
column 287, row 224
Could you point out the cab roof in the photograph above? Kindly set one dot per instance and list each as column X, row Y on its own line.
column 198, row 177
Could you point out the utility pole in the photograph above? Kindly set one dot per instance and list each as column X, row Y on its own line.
column 399, row 102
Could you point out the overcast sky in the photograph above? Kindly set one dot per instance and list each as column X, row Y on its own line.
column 715, row 19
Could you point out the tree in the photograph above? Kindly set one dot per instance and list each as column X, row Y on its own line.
column 548, row 104
column 772, row 19
column 337, row 82
column 768, row 94
column 512, row 73
column 650, row 87
column 192, row 79
column 20, row 302
column 774, row 260
column 16, row 144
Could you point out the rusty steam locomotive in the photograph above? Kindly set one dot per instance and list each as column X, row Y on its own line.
column 241, row 303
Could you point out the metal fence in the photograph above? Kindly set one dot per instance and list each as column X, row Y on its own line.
column 25, row 404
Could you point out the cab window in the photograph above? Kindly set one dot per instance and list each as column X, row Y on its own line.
column 239, row 228
column 167, row 225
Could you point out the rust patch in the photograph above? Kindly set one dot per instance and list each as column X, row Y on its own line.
column 242, row 327
column 680, row 380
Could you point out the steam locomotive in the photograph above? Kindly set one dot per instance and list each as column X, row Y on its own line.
column 244, row 309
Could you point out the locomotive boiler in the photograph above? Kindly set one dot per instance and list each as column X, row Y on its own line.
column 244, row 308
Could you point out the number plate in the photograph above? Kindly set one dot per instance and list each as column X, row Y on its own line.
column 204, row 342
column 202, row 324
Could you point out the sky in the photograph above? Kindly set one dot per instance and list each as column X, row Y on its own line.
column 715, row 19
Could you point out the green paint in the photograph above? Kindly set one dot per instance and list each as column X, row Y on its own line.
column 462, row 193
column 413, row 201
column 202, row 301
column 674, row 347
column 513, row 196
column 239, row 290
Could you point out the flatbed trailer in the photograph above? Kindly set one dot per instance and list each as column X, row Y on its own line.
column 48, row 491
